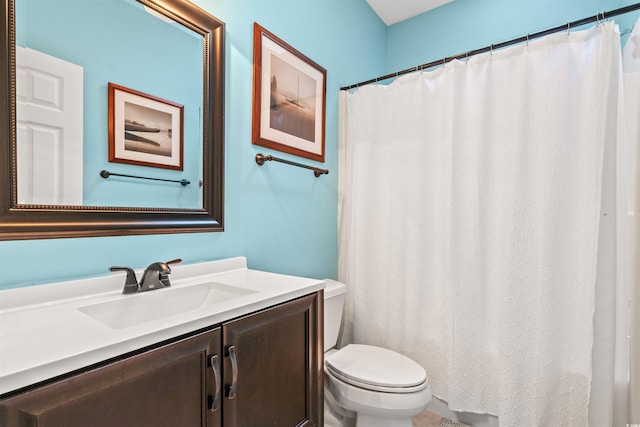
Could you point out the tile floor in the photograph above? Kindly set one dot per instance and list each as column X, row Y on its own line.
column 431, row 419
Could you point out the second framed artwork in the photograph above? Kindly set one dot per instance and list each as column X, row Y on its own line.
column 145, row 130
column 289, row 98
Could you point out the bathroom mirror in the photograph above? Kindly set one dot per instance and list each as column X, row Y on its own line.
column 132, row 97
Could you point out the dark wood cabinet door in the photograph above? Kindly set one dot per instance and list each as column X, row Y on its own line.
column 172, row 385
column 273, row 366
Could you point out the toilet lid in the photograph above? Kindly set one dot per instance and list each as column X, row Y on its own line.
column 376, row 368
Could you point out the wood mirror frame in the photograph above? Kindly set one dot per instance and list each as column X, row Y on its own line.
column 23, row 222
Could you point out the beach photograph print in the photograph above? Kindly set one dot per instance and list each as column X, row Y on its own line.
column 144, row 130
column 147, row 130
column 293, row 101
column 289, row 98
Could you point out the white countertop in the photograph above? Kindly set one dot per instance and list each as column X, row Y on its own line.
column 43, row 333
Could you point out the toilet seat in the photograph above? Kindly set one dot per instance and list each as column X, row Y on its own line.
column 375, row 368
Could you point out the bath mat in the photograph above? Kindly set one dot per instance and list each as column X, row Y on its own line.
column 430, row 419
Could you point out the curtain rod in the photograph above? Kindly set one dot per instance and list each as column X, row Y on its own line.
column 598, row 17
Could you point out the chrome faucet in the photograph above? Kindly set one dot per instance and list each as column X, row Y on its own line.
column 155, row 276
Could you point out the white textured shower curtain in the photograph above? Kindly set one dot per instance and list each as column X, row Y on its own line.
column 477, row 218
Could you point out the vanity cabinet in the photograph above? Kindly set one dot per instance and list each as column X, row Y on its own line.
column 261, row 369
column 163, row 386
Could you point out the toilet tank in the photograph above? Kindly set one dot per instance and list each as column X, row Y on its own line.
column 334, row 294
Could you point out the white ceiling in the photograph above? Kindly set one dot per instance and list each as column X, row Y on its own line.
column 393, row 11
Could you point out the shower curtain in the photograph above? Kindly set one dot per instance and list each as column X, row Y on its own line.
column 629, row 232
column 477, row 224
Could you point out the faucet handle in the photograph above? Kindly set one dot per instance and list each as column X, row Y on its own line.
column 131, row 282
column 156, row 276
column 163, row 274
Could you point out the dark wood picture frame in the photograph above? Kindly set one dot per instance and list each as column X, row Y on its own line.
column 145, row 130
column 289, row 98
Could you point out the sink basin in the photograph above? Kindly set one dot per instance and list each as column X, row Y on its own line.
column 132, row 310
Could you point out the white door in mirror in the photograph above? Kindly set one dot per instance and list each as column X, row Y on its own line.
column 49, row 105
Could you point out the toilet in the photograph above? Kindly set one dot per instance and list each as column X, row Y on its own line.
column 367, row 386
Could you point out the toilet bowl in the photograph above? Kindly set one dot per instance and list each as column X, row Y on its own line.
column 367, row 385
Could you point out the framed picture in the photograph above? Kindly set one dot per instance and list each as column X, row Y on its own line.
column 289, row 98
column 144, row 130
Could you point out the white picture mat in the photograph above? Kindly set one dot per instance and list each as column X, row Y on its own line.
column 120, row 97
column 270, row 48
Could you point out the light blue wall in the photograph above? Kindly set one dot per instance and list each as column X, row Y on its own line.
column 627, row 21
column 464, row 25
column 282, row 218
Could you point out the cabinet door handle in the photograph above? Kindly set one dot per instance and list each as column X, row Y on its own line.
column 215, row 399
column 231, row 389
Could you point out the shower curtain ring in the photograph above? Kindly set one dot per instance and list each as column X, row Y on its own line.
column 527, row 39
column 568, row 28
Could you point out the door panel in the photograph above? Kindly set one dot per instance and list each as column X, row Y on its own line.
column 163, row 387
column 49, row 105
column 277, row 365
